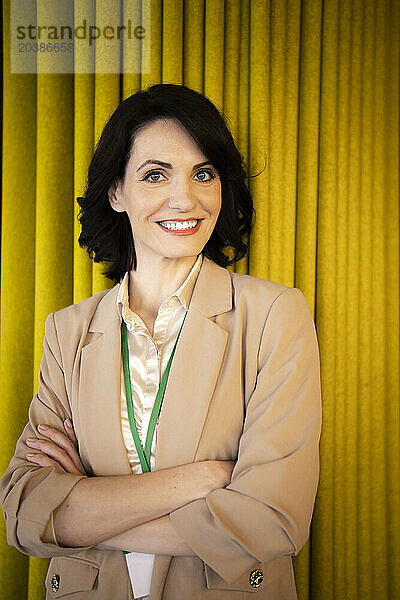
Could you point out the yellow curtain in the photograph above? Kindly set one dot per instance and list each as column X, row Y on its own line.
column 311, row 92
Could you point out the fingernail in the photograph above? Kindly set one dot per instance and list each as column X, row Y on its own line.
column 30, row 456
column 68, row 423
column 42, row 427
column 31, row 440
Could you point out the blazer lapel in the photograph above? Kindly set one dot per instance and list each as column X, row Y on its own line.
column 195, row 368
column 99, row 391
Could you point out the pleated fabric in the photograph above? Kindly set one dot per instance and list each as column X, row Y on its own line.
column 310, row 91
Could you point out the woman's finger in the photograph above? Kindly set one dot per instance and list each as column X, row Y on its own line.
column 63, row 441
column 69, row 428
column 43, row 461
column 54, row 451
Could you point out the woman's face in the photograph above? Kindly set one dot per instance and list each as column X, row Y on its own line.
column 158, row 198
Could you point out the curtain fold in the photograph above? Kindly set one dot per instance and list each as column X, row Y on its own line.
column 310, row 91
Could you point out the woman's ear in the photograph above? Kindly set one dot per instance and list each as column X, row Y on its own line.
column 115, row 196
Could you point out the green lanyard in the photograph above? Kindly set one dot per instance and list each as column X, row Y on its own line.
column 144, row 456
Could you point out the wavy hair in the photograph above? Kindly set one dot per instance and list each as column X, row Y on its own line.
column 106, row 234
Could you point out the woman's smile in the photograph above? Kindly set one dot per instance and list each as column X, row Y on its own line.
column 180, row 227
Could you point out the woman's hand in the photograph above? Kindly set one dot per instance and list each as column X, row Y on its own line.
column 59, row 450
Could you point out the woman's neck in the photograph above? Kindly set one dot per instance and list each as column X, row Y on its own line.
column 150, row 284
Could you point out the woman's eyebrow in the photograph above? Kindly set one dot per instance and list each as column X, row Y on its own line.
column 168, row 165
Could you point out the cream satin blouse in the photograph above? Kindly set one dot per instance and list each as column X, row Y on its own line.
column 148, row 358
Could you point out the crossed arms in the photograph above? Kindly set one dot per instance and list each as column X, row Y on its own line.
column 274, row 481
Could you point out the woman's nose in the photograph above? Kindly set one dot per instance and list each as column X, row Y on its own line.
column 182, row 197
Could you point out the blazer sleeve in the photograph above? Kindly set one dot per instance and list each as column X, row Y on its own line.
column 29, row 493
column 266, row 510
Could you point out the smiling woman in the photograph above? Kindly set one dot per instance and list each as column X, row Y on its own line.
column 172, row 448
column 184, row 201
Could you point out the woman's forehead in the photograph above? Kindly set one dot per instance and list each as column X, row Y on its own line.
column 163, row 140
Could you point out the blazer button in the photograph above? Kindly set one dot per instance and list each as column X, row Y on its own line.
column 256, row 578
column 55, row 583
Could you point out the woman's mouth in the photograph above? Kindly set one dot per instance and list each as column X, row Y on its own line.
column 180, row 227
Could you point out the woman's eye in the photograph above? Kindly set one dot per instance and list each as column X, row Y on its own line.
column 152, row 174
column 207, row 172
column 203, row 175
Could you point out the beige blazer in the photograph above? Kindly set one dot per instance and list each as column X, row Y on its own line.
column 244, row 386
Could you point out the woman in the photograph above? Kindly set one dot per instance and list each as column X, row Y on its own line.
column 221, row 497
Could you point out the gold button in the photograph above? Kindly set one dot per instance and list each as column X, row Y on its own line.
column 256, row 578
column 55, row 583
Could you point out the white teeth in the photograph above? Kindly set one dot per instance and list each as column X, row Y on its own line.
column 178, row 225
